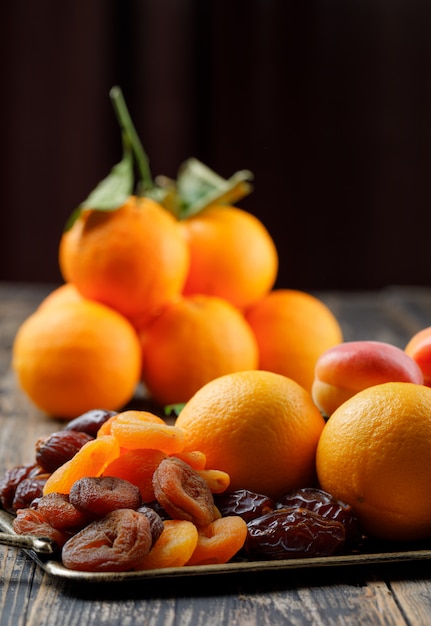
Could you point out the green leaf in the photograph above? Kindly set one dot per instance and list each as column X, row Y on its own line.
column 198, row 187
column 173, row 409
column 113, row 191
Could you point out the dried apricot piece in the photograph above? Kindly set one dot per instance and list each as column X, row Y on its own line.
column 60, row 513
column 32, row 522
column 217, row 480
column 90, row 460
column 219, row 541
column 138, row 467
column 194, row 458
column 99, row 495
column 183, row 493
column 173, row 548
column 114, row 543
column 141, row 429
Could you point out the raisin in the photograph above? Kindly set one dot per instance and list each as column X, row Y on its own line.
column 293, row 533
column 60, row 513
column 100, row 495
column 155, row 520
column 244, row 503
column 325, row 504
column 28, row 490
column 11, row 480
column 114, row 543
column 183, row 493
column 58, row 447
column 90, row 422
column 31, row 522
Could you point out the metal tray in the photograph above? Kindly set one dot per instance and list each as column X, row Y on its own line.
column 42, row 551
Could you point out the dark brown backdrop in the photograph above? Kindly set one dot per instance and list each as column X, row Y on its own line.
column 327, row 102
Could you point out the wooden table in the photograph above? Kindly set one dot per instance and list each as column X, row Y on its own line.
column 378, row 594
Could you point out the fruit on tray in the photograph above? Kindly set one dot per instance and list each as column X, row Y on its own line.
column 345, row 369
column 259, row 427
column 374, row 455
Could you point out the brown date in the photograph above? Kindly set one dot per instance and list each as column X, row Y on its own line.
column 325, row 504
column 114, row 543
column 59, row 447
column 243, row 502
column 293, row 533
column 90, row 422
column 99, row 496
column 11, row 480
column 28, row 490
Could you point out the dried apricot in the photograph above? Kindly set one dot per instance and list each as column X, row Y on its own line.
column 114, row 543
column 217, row 480
column 183, row 493
column 141, row 429
column 32, row 522
column 173, row 548
column 219, row 541
column 90, row 460
column 99, row 495
column 195, row 459
column 138, row 467
column 60, row 513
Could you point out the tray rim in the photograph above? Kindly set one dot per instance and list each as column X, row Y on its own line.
column 56, row 569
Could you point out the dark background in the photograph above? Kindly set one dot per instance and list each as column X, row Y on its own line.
column 327, row 102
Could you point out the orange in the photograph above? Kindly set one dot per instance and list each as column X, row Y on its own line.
column 259, row 427
column 194, row 340
column 293, row 329
column 77, row 356
column 232, row 255
column 374, row 453
column 419, row 349
column 63, row 294
column 133, row 259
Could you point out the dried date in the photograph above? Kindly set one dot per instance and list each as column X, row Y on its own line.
column 325, row 504
column 90, row 422
column 244, row 503
column 28, row 490
column 293, row 533
column 11, row 480
column 156, row 522
column 59, row 447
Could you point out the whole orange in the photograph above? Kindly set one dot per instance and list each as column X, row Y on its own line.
column 233, row 255
column 60, row 295
column 192, row 341
column 293, row 328
column 133, row 259
column 259, row 427
column 374, row 453
column 75, row 357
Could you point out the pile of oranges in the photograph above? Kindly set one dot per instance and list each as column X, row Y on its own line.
column 174, row 288
column 170, row 288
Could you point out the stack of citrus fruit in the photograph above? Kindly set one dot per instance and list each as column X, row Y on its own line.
column 168, row 284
